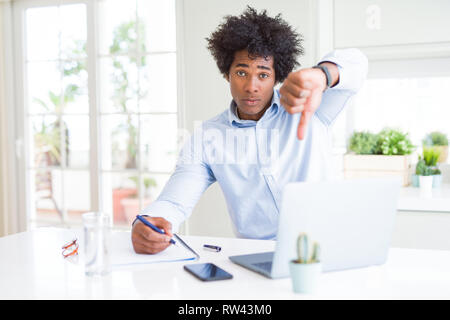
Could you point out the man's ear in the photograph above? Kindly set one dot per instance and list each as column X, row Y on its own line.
column 226, row 76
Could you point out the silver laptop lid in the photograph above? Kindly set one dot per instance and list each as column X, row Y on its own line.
column 353, row 220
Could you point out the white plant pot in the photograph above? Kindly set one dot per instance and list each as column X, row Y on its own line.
column 305, row 276
column 426, row 183
column 437, row 180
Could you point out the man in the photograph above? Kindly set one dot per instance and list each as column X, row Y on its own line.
column 281, row 136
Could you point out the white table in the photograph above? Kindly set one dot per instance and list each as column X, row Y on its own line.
column 413, row 199
column 31, row 267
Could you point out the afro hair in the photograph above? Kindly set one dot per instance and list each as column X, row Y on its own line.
column 262, row 36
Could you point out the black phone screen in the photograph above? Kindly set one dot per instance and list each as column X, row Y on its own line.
column 207, row 271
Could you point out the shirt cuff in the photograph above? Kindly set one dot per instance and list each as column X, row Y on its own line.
column 353, row 66
column 166, row 210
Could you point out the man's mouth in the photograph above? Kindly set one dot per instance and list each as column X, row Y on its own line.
column 251, row 101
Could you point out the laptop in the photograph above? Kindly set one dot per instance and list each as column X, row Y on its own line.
column 353, row 220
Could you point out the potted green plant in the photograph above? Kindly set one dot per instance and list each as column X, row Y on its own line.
column 306, row 269
column 49, row 135
column 387, row 153
column 131, row 203
column 437, row 178
column 439, row 141
column 424, row 173
column 124, row 41
column 427, row 166
column 363, row 142
column 431, row 156
column 118, row 195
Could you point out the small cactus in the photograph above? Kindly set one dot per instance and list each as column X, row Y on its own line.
column 303, row 250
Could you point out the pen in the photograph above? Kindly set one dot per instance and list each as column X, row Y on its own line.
column 152, row 226
column 212, row 248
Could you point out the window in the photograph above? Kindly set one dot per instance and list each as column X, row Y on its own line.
column 100, row 107
column 416, row 105
column 408, row 94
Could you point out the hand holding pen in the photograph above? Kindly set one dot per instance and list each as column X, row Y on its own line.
column 148, row 239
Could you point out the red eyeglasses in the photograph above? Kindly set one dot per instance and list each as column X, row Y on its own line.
column 70, row 249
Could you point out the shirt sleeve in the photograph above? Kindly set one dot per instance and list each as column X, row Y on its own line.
column 353, row 66
column 192, row 176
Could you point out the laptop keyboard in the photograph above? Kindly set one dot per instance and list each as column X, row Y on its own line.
column 267, row 265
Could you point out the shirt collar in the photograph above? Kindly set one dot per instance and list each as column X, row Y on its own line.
column 268, row 114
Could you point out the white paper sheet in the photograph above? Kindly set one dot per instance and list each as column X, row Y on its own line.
column 123, row 254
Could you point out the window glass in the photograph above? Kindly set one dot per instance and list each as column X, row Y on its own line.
column 136, row 108
column 414, row 105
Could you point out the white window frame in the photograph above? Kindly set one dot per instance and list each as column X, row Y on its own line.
column 11, row 221
column 21, row 129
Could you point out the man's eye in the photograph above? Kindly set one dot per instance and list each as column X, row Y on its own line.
column 241, row 73
column 264, row 75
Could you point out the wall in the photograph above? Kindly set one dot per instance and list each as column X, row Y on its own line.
column 207, row 92
column 402, row 39
column 395, row 33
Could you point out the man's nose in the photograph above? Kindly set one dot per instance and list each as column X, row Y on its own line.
column 251, row 85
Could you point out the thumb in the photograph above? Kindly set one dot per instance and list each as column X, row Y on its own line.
column 311, row 105
column 304, row 119
column 165, row 225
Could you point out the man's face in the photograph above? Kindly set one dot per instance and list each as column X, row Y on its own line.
column 251, row 84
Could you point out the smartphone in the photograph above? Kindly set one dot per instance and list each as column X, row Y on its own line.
column 207, row 271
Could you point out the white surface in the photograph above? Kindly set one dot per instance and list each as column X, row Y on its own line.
column 31, row 267
column 122, row 253
column 422, row 230
column 412, row 199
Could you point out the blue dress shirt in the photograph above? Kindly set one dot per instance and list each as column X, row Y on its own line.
column 253, row 160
